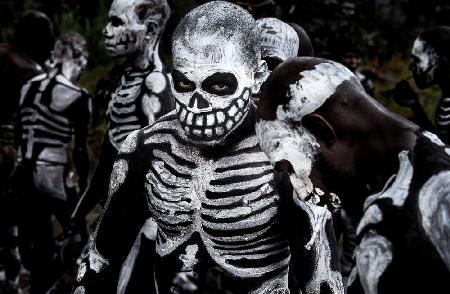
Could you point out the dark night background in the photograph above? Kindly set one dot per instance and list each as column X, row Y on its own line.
column 381, row 30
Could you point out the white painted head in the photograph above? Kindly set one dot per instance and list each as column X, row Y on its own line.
column 134, row 25
column 425, row 62
column 278, row 39
column 216, row 66
column 282, row 135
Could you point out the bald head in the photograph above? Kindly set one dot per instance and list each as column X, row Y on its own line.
column 278, row 39
column 301, row 86
column 315, row 113
column 216, row 31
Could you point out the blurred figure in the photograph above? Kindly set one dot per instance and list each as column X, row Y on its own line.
column 430, row 66
column 53, row 111
column 133, row 31
column 346, row 50
column 305, row 45
column 140, row 96
column 279, row 41
column 20, row 60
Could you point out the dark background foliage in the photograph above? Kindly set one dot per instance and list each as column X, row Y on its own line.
column 382, row 31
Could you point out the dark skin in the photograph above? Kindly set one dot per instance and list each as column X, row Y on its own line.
column 359, row 139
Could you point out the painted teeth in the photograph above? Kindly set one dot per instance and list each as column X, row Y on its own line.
column 187, row 130
column 220, row 117
column 208, row 133
column 240, row 103
column 199, row 120
column 219, row 131
column 183, row 115
column 197, row 132
column 210, row 119
column 177, row 107
column 246, row 94
column 238, row 117
column 229, row 124
column 189, row 118
column 232, row 111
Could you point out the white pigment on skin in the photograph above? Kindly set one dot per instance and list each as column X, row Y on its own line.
column 434, row 207
column 313, row 89
column 280, row 140
column 373, row 215
column 119, row 173
column 426, row 54
column 373, row 256
column 278, row 39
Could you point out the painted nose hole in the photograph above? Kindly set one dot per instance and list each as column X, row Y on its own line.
column 197, row 101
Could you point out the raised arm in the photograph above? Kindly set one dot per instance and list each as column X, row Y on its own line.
column 125, row 212
column 315, row 262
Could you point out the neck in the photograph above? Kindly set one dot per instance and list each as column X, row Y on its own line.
column 143, row 58
column 393, row 135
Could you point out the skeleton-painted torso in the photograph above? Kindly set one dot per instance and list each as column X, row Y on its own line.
column 404, row 234
column 49, row 107
column 141, row 97
column 224, row 199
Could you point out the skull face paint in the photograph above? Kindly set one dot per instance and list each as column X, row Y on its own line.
column 133, row 24
column 425, row 61
column 279, row 41
column 285, row 138
column 214, row 73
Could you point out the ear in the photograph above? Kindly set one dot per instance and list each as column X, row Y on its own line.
column 152, row 29
column 320, row 128
column 260, row 76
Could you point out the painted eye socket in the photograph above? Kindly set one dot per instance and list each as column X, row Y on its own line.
column 219, row 87
column 184, row 86
column 220, row 84
column 116, row 21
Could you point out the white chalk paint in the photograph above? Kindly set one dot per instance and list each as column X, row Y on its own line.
column 373, row 256
column 313, row 89
column 278, row 39
column 281, row 140
column 434, row 207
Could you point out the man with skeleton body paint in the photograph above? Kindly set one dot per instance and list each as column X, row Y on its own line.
column 133, row 31
column 430, row 66
column 52, row 111
column 209, row 187
column 20, row 61
column 316, row 123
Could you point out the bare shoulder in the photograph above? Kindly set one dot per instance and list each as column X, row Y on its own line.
column 156, row 81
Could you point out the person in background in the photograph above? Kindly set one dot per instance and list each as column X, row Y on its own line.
column 54, row 115
column 430, row 65
column 20, row 60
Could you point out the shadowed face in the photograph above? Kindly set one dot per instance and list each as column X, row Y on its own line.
column 131, row 25
column 425, row 61
column 281, row 132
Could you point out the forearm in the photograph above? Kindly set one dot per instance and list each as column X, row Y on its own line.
column 312, row 242
column 125, row 212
